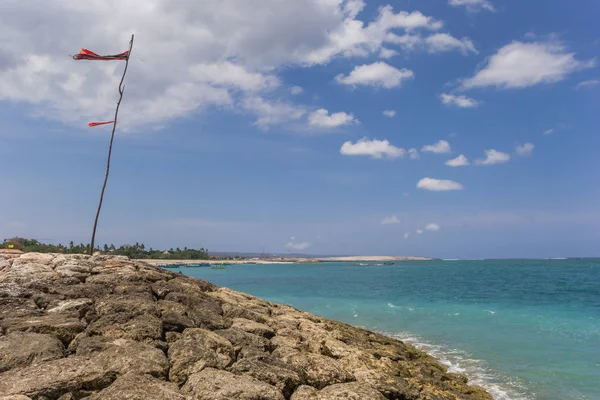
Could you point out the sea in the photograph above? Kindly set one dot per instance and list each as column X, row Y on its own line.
column 523, row 329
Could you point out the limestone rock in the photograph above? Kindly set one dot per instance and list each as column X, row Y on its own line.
column 317, row 370
column 349, row 391
column 198, row 349
column 253, row 327
column 19, row 349
column 123, row 356
column 64, row 326
column 305, row 392
column 213, row 384
column 54, row 378
column 139, row 387
column 276, row 375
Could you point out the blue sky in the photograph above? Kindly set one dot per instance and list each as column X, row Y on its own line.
column 246, row 128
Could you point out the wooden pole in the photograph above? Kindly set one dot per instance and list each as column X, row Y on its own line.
column 112, row 137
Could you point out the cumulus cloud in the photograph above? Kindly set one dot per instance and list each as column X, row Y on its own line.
column 525, row 150
column 374, row 148
column 272, row 112
column 187, row 56
column 387, row 53
column 459, row 101
column 588, row 84
column 440, row 147
column 413, row 154
column 297, row 246
column 296, row 90
column 390, row 220
column 442, row 42
column 473, row 5
column 378, row 74
column 419, row 231
column 549, row 131
column 438, row 185
column 389, row 113
column 493, row 157
column 321, row 118
column 520, row 65
column 459, row 161
column 433, row 227
column 406, row 235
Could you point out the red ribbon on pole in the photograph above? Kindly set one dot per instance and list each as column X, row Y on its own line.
column 86, row 54
column 100, row 123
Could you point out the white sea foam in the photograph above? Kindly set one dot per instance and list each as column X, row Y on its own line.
column 458, row 361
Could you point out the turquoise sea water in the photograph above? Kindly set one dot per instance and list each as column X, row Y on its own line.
column 524, row 329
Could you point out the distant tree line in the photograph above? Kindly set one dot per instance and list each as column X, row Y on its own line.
column 137, row 250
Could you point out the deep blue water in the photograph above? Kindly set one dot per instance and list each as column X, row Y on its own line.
column 524, row 329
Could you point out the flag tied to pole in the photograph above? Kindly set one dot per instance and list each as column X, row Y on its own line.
column 100, row 123
column 86, row 54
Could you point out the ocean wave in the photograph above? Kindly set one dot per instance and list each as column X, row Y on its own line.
column 499, row 386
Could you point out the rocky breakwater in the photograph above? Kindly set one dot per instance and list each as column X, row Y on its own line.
column 81, row 327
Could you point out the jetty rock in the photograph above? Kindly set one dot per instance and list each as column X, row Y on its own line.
column 106, row 327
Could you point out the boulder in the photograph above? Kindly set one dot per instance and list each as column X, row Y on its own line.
column 349, row 391
column 317, row 370
column 305, row 392
column 213, row 384
column 198, row 349
column 64, row 326
column 55, row 378
column 276, row 375
column 253, row 327
column 139, row 387
column 19, row 349
column 123, row 356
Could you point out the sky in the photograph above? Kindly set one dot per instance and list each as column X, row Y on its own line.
column 442, row 128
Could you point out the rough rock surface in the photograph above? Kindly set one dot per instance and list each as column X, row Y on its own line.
column 99, row 327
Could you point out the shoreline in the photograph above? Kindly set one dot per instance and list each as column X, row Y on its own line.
column 292, row 260
column 107, row 327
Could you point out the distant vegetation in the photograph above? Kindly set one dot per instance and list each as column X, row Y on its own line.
column 132, row 251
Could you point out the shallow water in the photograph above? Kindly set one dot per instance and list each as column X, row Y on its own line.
column 524, row 329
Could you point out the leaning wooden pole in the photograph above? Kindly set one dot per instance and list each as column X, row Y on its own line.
column 88, row 55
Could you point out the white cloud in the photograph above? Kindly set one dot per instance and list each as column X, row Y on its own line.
column 187, row 56
column 293, row 238
column 520, row 65
column 525, row 150
column 440, row 147
column 438, row 185
column 389, row 113
column 460, row 101
column 473, row 5
column 374, row 148
column 413, row 154
column 419, row 231
column 493, row 157
column 442, row 42
column 459, row 161
column 378, row 74
column 588, row 83
column 296, row 90
column 406, row 235
column 297, row 246
column 387, row 53
column 322, row 118
column 549, row 131
column 272, row 113
column 390, row 220
column 433, row 227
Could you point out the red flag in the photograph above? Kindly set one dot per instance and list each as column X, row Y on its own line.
column 86, row 54
column 99, row 123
